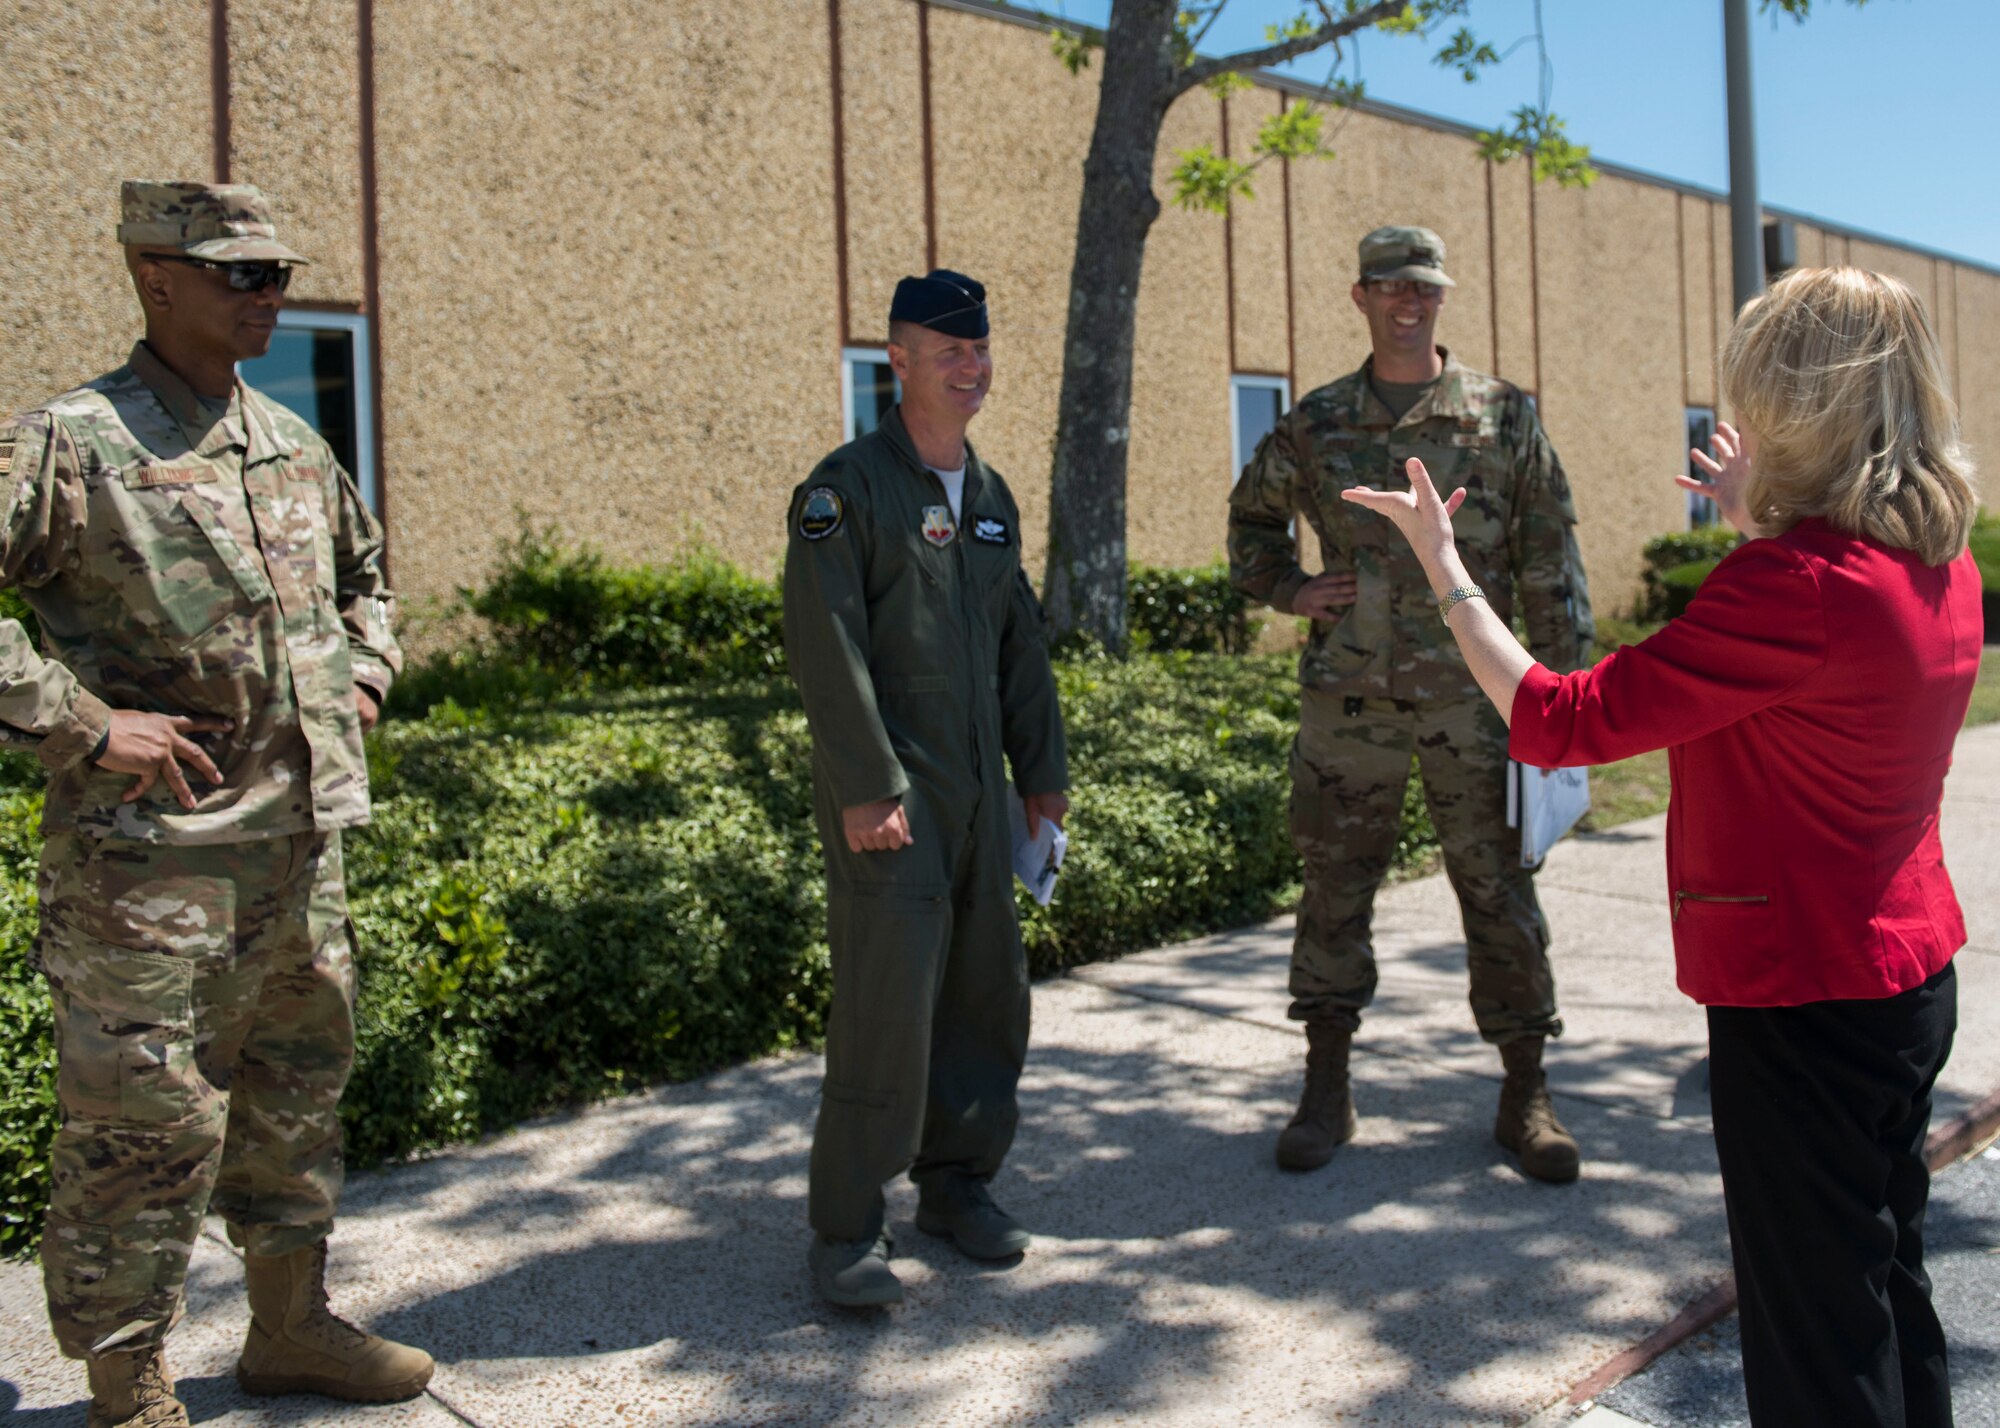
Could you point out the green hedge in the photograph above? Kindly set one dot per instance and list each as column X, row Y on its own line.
column 1986, row 550
column 1195, row 609
column 562, row 901
column 1677, row 563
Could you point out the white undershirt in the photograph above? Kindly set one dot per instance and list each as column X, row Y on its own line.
column 954, row 486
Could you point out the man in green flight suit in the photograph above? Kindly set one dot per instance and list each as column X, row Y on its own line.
column 918, row 649
column 1383, row 679
column 216, row 635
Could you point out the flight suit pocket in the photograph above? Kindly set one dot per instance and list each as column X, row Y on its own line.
column 888, row 942
column 124, row 1029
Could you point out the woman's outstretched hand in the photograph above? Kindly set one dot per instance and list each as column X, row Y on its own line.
column 1728, row 471
column 1422, row 517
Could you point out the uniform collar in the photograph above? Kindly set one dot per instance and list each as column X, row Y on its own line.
column 1446, row 398
column 898, row 436
column 211, row 428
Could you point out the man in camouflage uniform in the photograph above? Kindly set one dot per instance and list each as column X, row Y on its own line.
column 917, row 646
column 1383, row 679
column 216, row 636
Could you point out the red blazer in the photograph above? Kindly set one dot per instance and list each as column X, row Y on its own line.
column 1808, row 700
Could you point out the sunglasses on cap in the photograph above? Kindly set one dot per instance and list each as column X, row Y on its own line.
column 244, row 277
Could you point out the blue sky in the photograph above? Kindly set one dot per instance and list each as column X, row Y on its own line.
column 1865, row 116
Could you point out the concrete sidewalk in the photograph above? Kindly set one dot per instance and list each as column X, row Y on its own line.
column 643, row 1262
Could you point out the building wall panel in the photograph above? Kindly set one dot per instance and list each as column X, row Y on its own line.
column 882, row 103
column 83, row 110
column 1697, row 287
column 1177, row 489
column 1724, row 314
column 1610, row 370
column 1513, row 298
column 1945, row 317
column 608, row 287
column 1979, row 380
column 295, row 131
column 1916, row 269
column 1257, row 241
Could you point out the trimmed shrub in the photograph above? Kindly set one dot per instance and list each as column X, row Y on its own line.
column 1195, row 609
column 1677, row 563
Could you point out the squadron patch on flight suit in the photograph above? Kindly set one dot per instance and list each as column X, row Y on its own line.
column 938, row 526
column 988, row 531
column 821, row 513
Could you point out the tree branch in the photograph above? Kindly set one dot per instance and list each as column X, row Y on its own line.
column 1201, row 71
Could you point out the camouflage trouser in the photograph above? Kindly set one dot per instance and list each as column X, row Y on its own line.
column 204, row 1031
column 1348, row 776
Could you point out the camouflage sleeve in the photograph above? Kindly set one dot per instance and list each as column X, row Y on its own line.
column 1263, row 553
column 827, row 640
column 367, row 607
column 42, row 704
column 1031, row 723
column 1554, row 597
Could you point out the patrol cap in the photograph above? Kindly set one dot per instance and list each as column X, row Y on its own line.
column 222, row 222
column 943, row 301
column 1404, row 253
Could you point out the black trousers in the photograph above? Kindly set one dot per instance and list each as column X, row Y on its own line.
column 1820, row 1117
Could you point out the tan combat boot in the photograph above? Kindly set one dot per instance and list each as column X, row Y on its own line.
column 297, row 1345
column 1527, row 1123
column 133, row 1391
column 1325, row 1118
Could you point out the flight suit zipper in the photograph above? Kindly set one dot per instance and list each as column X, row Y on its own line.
column 1681, row 896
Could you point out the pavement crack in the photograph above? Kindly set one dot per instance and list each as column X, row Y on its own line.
column 452, row 1408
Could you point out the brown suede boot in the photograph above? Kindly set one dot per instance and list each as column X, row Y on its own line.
column 297, row 1345
column 133, row 1391
column 1527, row 1123
column 1325, row 1118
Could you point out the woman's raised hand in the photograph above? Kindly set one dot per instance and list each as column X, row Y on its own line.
column 1727, row 476
column 1419, row 513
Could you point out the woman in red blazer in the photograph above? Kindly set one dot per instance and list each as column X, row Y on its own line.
column 1809, row 699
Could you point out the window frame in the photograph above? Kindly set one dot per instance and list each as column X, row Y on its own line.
column 1699, row 506
column 848, row 357
column 357, row 326
column 1256, row 381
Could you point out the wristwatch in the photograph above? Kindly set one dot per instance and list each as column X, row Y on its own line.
column 1454, row 596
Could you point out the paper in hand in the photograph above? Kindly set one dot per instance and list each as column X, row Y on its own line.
column 1037, row 860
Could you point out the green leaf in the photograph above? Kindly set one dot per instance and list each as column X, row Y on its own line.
column 1204, row 179
column 1295, row 132
column 1072, row 48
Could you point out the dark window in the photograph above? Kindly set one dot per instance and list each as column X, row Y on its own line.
column 1700, row 428
column 871, row 389
column 1256, row 403
column 318, row 366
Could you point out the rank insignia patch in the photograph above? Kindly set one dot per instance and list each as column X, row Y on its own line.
column 988, row 531
column 821, row 513
column 938, row 527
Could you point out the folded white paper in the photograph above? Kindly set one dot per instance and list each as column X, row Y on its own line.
column 1544, row 804
column 1037, row 860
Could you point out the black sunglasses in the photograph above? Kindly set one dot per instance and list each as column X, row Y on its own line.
column 244, row 277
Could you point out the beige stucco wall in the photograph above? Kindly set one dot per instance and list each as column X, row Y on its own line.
column 84, row 108
column 1611, row 368
column 295, row 131
column 607, row 274
column 1512, row 300
column 882, row 107
column 1697, row 289
column 1979, row 382
column 1257, row 239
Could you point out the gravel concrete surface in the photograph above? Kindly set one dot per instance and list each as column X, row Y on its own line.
column 642, row 1261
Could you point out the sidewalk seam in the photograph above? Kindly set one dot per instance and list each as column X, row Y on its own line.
column 1957, row 1140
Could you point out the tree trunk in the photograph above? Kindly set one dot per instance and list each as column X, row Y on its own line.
column 1084, row 591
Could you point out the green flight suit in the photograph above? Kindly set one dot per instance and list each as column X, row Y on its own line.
column 918, row 649
column 1385, row 680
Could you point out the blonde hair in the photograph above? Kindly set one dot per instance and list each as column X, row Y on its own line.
column 1838, row 374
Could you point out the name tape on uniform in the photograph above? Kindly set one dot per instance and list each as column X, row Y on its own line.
column 149, row 476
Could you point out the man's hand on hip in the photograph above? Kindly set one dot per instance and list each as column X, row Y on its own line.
column 367, row 706
column 876, row 827
column 1052, row 806
column 154, row 746
column 1324, row 597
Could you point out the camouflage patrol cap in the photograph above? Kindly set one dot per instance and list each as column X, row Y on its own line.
column 1404, row 253
column 223, row 222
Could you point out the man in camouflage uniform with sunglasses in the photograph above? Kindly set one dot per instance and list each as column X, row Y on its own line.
column 1383, row 680
column 216, row 635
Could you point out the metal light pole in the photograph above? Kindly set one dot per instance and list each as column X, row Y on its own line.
column 1746, row 219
